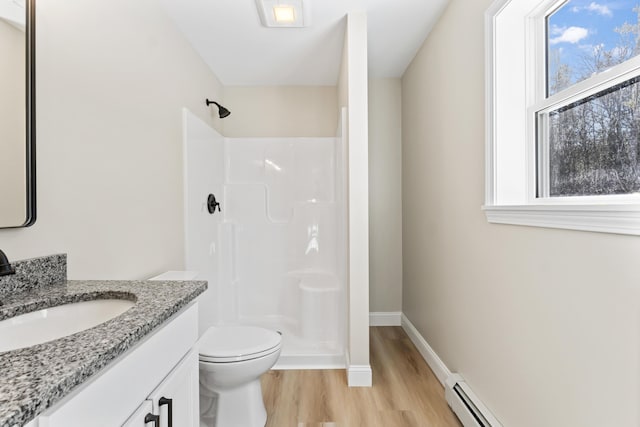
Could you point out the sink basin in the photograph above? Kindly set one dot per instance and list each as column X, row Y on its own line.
column 52, row 323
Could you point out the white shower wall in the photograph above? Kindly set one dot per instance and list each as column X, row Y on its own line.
column 203, row 164
column 279, row 244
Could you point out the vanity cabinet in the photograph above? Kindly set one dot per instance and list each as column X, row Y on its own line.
column 162, row 365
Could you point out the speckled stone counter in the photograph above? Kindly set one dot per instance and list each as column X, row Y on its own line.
column 34, row 378
column 33, row 274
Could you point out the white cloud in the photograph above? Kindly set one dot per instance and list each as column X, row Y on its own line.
column 601, row 9
column 571, row 35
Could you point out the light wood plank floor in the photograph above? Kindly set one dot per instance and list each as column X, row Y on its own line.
column 405, row 392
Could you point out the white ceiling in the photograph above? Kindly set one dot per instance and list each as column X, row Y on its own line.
column 241, row 52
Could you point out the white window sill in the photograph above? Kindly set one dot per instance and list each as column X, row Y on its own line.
column 618, row 219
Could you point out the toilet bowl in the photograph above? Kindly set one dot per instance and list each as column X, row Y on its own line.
column 232, row 359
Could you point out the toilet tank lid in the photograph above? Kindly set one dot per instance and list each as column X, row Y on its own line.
column 176, row 275
column 237, row 341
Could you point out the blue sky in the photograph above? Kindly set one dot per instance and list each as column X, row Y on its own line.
column 579, row 26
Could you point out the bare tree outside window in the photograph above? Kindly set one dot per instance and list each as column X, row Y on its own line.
column 594, row 144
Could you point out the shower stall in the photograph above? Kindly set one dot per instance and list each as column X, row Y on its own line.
column 275, row 252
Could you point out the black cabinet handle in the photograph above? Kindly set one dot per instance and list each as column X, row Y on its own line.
column 169, row 402
column 150, row 418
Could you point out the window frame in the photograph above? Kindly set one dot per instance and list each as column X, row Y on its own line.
column 611, row 214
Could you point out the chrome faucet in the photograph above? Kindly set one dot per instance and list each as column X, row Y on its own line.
column 5, row 266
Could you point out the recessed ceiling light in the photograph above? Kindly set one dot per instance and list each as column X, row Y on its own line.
column 283, row 13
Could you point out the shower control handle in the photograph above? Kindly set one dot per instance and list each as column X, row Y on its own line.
column 212, row 203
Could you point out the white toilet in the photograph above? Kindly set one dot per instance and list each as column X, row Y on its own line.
column 232, row 359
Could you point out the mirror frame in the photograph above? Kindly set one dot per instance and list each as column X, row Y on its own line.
column 30, row 114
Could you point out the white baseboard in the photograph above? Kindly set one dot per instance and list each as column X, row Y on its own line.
column 293, row 362
column 385, row 318
column 435, row 363
column 358, row 375
column 443, row 374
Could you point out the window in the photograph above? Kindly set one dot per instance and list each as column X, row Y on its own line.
column 563, row 114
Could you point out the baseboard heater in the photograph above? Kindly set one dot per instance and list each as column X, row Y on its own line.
column 466, row 405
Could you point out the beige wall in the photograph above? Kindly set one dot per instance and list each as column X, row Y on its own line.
column 258, row 111
column 385, row 195
column 112, row 79
column 13, row 199
column 543, row 324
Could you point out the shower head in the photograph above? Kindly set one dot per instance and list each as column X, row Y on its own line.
column 222, row 112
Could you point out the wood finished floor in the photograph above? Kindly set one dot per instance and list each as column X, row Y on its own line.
column 405, row 392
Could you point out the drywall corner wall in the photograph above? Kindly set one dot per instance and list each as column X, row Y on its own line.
column 352, row 92
column 281, row 111
column 343, row 75
column 543, row 324
column 385, row 195
column 112, row 79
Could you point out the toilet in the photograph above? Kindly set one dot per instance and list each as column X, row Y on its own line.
column 232, row 360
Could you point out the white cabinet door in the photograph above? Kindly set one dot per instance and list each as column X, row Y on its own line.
column 139, row 416
column 176, row 399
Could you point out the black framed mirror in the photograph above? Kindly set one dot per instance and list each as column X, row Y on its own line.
column 17, row 114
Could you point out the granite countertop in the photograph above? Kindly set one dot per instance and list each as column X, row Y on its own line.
column 34, row 378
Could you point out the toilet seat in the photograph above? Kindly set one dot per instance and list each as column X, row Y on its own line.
column 226, row 344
